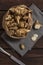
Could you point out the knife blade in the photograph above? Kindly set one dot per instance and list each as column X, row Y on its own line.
column 12, row 57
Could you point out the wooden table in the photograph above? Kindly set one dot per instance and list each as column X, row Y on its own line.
column 33, row 57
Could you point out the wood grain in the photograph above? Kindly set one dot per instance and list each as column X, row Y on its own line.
column 33, row 57
column 6, row 4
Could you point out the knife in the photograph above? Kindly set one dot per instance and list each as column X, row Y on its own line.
column 12, row 57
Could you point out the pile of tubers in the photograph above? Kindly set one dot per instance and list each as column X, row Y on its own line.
column 17, row 22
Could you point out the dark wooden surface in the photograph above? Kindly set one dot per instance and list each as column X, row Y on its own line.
column 33, row 57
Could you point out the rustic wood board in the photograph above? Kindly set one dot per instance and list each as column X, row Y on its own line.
column 33, row 57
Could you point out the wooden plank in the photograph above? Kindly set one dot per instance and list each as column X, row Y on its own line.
column 34, row 53
column 1, row 17
column 34, row 57
column 6, row 4
column 5, row 60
